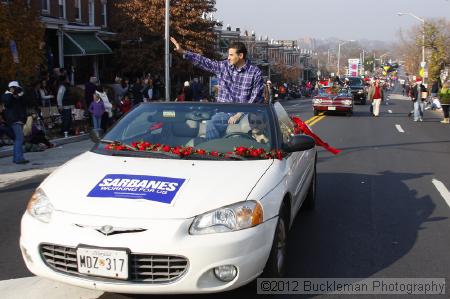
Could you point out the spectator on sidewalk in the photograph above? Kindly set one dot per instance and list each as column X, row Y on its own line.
column 136, row 90
column 97, row 108
column 89, row 90
column 185, row 93
column 45, row 95
column 268, row 92
column 107, row 116
column 66, row 102
column 5, row 130
column 444, row 96
column 15, row 114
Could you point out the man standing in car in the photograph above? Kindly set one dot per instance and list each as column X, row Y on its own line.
column 239, row 82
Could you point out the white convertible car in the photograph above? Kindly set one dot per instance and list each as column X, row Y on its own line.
column 175, row 198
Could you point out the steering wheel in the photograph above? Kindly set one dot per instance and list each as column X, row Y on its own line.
column 239, row 134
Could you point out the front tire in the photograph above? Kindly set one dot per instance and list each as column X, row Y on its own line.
column 316, row 112
column 276, row 264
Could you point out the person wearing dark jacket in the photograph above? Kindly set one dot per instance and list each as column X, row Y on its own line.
column 15, row 114
column 65, row 101
column 418, row 96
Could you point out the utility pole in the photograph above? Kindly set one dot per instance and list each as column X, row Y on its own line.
column 167, row 52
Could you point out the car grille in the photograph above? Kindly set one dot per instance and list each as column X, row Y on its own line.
column 145, row 268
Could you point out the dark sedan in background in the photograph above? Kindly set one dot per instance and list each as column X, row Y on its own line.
column 358, row 89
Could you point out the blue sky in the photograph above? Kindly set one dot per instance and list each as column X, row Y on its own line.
column 344, row 19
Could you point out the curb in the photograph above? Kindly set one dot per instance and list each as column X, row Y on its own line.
column 57, row 142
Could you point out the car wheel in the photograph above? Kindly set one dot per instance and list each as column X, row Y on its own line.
column 310, row 200
column 363, row 102
column 276, row 264
column 349, row 113
column 316, row 112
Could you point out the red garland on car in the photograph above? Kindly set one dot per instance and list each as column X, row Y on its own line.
column 301, row 127
column 184, row 151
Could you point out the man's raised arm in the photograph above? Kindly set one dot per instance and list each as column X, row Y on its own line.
column 198, row 60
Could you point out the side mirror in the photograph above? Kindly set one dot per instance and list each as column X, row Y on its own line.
column 96, row 135
column 299, row 143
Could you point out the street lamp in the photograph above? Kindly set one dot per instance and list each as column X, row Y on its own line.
column 339, row 53
column 423, row 32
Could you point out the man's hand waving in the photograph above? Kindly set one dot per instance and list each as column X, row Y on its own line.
column 178, row 48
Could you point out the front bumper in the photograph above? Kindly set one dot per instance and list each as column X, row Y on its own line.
column 247, row 249
column 333, row 108
column 359, row 97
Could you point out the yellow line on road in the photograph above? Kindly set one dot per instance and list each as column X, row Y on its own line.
column 316, row 120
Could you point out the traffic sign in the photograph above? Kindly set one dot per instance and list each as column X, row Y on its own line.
column 423, row 64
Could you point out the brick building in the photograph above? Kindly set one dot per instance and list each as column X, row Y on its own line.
column 75, row 35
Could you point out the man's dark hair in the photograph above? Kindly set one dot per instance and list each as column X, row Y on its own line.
column 239, row 47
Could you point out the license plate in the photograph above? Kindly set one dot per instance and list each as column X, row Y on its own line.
column 103, row 262
column 331, row 108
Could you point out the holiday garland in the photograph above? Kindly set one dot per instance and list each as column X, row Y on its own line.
column 185, row 151
column 240, row 151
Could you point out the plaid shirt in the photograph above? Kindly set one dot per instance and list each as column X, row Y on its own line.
column 243, row 85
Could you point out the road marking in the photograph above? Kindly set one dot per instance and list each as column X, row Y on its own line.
column 7, row 179
column 312, row 123
column 390, row 111
column 312, row 119
column 41, row 288
column 399, row 128
column 443, row 190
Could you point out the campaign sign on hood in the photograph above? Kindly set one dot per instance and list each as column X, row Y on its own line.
column 155, row 188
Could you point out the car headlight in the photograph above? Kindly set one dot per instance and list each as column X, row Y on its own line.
column 317, row 101
column 40, row 206
column 360, row 91
column 347, row 102
column 235, row 217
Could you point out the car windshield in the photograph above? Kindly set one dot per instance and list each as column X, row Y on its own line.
column 199, row 126
column 332, row 91
column 354, row 81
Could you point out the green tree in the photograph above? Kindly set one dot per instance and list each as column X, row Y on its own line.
column 140, row 25
column 20, row 23
column 437, row 43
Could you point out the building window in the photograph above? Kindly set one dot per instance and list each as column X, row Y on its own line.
column 45, row 6
column 91, row 13
column 104, row 20
column 62, row 8
column 78, row 10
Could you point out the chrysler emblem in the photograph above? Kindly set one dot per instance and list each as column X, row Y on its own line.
column 106, row 229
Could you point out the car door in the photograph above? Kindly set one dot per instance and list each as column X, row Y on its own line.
column 298, row 164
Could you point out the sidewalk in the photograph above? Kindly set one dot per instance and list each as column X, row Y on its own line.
column 6, row 151
column 41, row 163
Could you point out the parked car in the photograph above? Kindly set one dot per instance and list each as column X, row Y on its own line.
column 358, row 89
column 334, row 99
column 160, row 206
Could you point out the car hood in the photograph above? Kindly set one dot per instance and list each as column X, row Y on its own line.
column 93, row 184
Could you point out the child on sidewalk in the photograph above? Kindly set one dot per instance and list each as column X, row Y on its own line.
column 97, row 108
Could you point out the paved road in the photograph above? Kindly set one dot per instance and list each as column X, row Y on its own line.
column 381, row 211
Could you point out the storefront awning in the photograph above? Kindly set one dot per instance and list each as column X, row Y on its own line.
column 84, row 43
